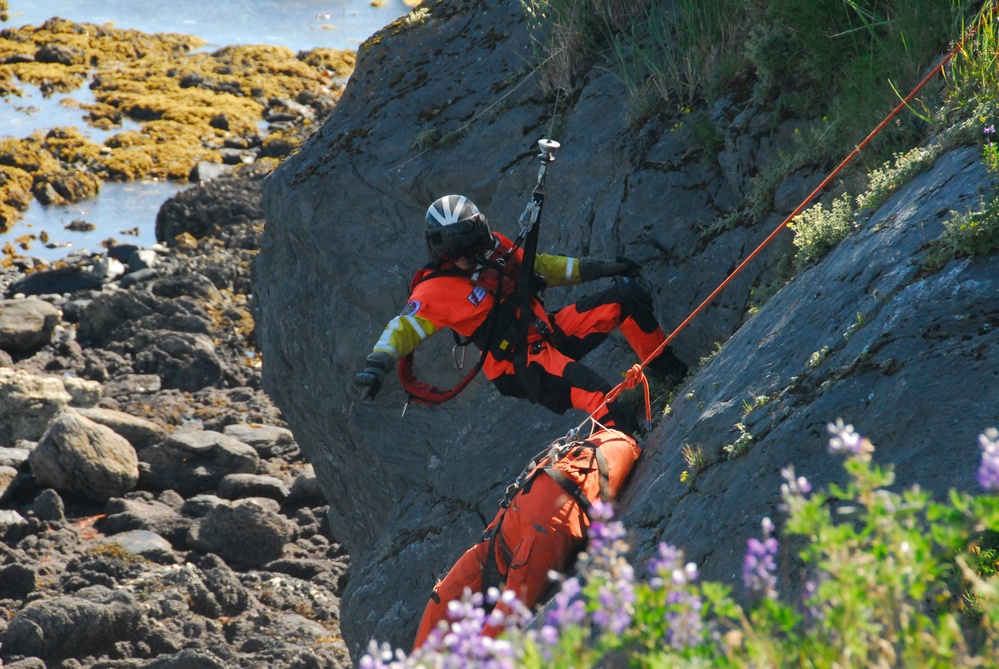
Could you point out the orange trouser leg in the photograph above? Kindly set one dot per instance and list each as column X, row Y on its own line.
column 465, row 574
column 625, row 305
column 543, row 528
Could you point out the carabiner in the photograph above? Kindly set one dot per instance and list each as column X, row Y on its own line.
column 459, row 364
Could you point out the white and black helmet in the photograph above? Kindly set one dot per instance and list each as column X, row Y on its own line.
column 456, row 228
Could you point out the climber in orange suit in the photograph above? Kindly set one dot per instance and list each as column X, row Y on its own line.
column 474, row 271
column 541, row 529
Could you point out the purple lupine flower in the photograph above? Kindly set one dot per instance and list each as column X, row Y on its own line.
column 988, row 469
column 662, row 565
column 462, row 643
column 793, row 486
column 846, row 441
column 608, row 568
column 989, row 131
column 684, row 624
column 616, row 597
column 604, row 533
column 759, row 568
column 569, row 609
column 812, row 606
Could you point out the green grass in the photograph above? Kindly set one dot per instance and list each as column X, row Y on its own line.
column 837, row 65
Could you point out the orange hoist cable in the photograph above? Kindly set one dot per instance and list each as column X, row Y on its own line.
column 636, row 374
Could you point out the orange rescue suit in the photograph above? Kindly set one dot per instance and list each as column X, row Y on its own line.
column 540, row 531
column 550, row 373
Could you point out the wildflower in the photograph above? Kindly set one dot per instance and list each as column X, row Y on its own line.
column 684, row 624
column 609, row 569
column 847, row 442
column 760, row 564
column 988, row 470
column 616, row 597
column 603, row 534
column 462, row 643
column 812, row 604
column 568, row 609
column 382, row 657
column 989, row 131
column 794, row 490
column 667, row 559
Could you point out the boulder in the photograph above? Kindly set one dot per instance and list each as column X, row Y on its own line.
column 182, row 360
column 83, row 392
column 138, row 511
column 13, row 525
column 224, row 200
column 8, row 475
column 146, row 544
column 15, row 457
column 87, row 623
column 268, row 440
column 16, row 581
column 249, row 533
column 48, row 506
column 141, row 433
column 26, row 325
column 28, row 403
column 306, row 489
column 189, row 658
column 77, row 456
column 60, row 280
column 241, row 486
column 229, row 595
column 200, row 505
column 194, row 461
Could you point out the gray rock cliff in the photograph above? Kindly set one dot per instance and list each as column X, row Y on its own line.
column 906, row 357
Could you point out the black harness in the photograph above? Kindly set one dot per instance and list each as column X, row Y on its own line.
column 503, row 334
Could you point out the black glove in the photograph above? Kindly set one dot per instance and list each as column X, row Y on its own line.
column 369, row 381
column 590, row 269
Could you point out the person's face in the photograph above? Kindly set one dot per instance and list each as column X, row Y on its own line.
column 464, row 263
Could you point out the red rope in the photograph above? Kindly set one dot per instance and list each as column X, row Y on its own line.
column 613, row 394
column 632, row 378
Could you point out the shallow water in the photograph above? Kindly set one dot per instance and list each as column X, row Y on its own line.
column 296, row 24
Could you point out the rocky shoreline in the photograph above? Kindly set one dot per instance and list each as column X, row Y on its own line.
column 155, row 510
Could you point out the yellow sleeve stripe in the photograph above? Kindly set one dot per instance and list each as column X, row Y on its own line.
column 558, row 270
column 403, row 334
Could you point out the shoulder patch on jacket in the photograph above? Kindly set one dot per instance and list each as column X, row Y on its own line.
column 475, row 297
column 411, row 308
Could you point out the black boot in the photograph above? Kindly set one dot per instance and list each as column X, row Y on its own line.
column 668, row 368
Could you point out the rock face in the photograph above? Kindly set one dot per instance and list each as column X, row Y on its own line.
column 864, row 335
